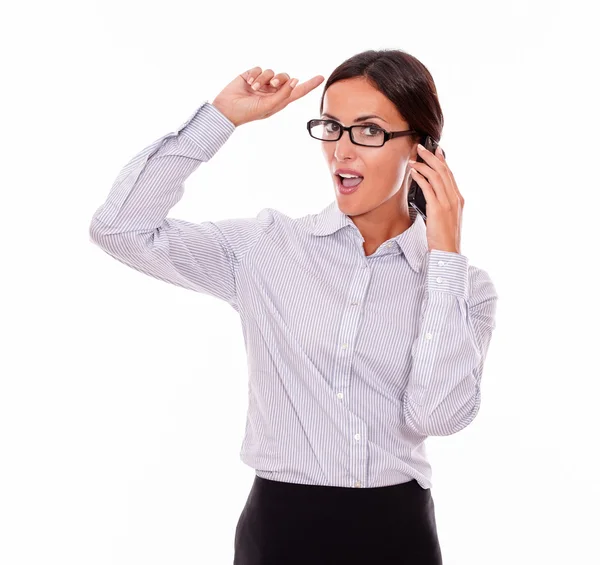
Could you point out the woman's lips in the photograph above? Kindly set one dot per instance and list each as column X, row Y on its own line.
column 346, row 190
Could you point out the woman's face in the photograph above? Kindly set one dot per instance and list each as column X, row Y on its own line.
column 383, row 168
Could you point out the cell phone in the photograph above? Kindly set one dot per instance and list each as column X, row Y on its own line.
column 416, row 198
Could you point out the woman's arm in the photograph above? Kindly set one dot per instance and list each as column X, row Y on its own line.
column 458, row 317
column 132, row 225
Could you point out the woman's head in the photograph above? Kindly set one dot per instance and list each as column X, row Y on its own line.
column 397, row 87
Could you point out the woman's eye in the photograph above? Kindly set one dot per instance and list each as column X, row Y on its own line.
column 331, row 127
column 371, row 130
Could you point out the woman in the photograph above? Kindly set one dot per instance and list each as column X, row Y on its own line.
column 366, row 329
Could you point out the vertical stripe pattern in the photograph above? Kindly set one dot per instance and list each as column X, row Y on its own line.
column 353, row 360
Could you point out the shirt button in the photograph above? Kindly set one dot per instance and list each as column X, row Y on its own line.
column 340, row 395
column 357, row 484
column 440, row 280
column 345, row 346
column 354, row 303
column 428, row 336
column 357, row 437
column 441, row 263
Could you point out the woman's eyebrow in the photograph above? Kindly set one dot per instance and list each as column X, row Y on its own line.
column 359, row 119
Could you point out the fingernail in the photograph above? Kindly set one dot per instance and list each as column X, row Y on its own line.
column 420, row 146
column 275, row 82
column 250, row 80
column 294, row 82
column 256, row 86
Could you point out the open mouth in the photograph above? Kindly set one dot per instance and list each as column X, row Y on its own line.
column 347, row 185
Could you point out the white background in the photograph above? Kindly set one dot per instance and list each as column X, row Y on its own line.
column 123, row 399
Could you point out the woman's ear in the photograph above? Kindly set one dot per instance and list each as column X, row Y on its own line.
column 414, row 153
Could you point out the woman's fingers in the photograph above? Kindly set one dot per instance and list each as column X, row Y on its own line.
column 280, row 99
column 304, row 88
column 273, row 85
column 279, row 79
column 289, row 92
column 275, row 92
column 268, row 82
column 250, row 75
column 262, row 79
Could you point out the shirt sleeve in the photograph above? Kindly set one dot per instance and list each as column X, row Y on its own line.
column 458, row 317
column 132, row 225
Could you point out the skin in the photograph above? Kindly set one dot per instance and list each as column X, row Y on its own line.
column 379, row 207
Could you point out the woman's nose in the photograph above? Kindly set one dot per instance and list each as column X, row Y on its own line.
column 343, row 146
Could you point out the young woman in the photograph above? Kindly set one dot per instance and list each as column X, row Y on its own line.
column 366, row 329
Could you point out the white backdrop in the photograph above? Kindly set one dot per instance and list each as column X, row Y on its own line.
column 123, row 399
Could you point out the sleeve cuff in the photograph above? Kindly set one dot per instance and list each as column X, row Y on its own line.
column 448, row 272
column 208, row 128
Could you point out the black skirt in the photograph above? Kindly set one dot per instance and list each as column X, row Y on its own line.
column 292, row 524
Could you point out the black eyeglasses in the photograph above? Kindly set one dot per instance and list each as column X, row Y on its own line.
column 368, row 135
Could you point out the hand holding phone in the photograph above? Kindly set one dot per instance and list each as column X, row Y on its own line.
column 416, row 198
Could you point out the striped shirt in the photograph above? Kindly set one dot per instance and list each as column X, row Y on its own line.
column 353, row 359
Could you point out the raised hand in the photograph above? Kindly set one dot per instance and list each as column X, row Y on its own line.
column 242, row 101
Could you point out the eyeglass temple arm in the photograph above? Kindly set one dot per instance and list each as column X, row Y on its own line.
column 401, row 133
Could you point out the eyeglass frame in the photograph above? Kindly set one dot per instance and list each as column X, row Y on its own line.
column 387, row 135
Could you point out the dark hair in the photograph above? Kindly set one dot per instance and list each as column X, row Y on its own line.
column 404, row 80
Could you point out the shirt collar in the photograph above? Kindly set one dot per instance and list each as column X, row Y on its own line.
column 412, row 241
